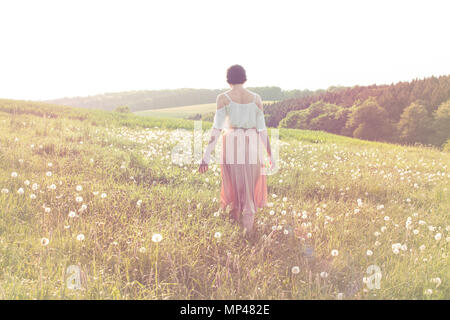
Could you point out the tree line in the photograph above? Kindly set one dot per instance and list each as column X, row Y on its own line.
column 406, row 112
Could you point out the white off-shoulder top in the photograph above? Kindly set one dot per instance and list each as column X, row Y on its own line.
column 239, row 115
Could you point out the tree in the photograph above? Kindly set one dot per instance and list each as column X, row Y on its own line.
column 123, row 109
column 415, row 124
column 370, row 121
column 442, row 123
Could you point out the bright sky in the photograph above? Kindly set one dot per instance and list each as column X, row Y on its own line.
column 53, row 49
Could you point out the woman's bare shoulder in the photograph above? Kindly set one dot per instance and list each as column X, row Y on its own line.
column 221, row 101
column 258, row 101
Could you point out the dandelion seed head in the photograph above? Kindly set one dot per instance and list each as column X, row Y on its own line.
column 157, row 237
column 295, row 269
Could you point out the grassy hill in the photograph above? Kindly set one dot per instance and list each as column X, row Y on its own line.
column 182, row 112
column 142, row 100
column 91, row 189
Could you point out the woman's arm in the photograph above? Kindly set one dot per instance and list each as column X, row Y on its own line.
column 219, row 120
column 262, row 130
column 215, row 134
column 266, row 142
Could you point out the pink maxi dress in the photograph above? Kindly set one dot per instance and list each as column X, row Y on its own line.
column 244, row 183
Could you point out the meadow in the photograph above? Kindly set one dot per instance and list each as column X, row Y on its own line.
column 99, row 190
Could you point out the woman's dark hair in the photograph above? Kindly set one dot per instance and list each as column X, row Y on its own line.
column 236, row 74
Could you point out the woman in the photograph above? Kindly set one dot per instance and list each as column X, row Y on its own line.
column 244, row 185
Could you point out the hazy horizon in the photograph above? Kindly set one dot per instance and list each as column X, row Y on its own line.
column 54, row 49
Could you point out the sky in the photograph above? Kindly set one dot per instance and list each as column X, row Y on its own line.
column 62, row 48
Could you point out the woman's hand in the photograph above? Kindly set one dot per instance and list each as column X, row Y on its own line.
column 203, row 167
column 272, row 163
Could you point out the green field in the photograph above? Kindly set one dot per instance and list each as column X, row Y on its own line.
column 93, row 189
column 181, row 112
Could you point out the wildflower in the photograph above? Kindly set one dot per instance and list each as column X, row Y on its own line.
column 383, row 229
column 50, row 164
column 48, row 174
column 47, row 210
column 103, row 196
column 437, row 237
column 324, row 275
column 142, row 250
column 334, row 253
column 20, row 191
column 429, row 292
column 26, row 182
column 340, row 296
column 386, row 218
column 44, row 241
column 72, row 214
column 437, row 281
column 79, row 188
column 14, row 175
column 5, row 191
column 377, row 243
column 369, row 252
column 80, row 237
column 157, row 237
column 422, row 247
column 79, row 199
column 359, row 202
column 139, row 203
column 295, row 270
column 416, row 232
column 32, row 196
column 35, row 186
column 217, row 235
column 284, row 199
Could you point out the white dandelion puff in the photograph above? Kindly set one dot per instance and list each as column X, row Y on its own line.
column 157, row 237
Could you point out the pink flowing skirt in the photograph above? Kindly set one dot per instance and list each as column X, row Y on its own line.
column 244, row 184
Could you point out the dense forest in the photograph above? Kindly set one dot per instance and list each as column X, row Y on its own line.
column 155, row 99
column 406, row 112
